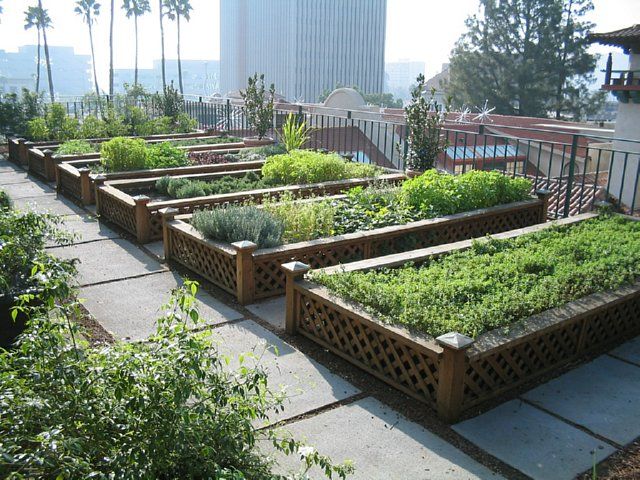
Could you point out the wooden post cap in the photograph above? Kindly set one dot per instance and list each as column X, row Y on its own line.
column 245, row 245
column 295, row 268
column 168, row 213
column 454, row 341
column 84, row 170
column 543, row 193
column 99, row 179
column 47, row 152
column 141, row 199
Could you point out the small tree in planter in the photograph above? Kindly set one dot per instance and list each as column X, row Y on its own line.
column 258, row 108
column 425, row 119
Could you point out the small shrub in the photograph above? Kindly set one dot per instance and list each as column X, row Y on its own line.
column 115, row 123
column 184, row 123
column 155, row 126
column 75, row 147
column 302, row 220
column 93, row 127
column 37, row 130
column 122, row 154
column 237, row 223
column 164, row 155
column 304, row 166
column 191, row 190
column 258, row 105
column 162, row 184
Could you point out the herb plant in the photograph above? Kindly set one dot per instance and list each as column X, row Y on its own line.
column 122, row 154
column 295, row 133
column 75, row 147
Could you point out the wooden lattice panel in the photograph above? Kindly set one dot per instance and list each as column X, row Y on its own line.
column 506, row 367
column 369, row 346
column 155, row 222
column 212, row 264
column 70, row 184
column 270, row 279
column 118, row 212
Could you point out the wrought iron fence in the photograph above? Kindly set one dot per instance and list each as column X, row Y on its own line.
column 578, row 169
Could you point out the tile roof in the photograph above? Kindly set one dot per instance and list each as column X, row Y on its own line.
column 627, row 38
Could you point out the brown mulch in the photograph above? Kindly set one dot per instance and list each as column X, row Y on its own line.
column 622, row 465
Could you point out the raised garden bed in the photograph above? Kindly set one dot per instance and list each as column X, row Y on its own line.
column 18, row 147
column 250, row 273
column 454, row 373
column 43, row 161
column 74, row 178
column 141, row 216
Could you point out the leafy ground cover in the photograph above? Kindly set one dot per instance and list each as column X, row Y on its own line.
column 498, row 282
column 296, row 167
column 123, row 154
column 431, row 195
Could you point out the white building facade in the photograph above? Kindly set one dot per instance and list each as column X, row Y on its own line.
column 304, row 47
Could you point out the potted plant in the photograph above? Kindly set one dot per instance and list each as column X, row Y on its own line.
column 29, row 276
column 258, row 109
column 425, row 119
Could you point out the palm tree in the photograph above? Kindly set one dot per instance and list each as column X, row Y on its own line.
column 164, row 76
column 111, row 51
column 89, row 9
column 32, row 19
column 135, row 9
column 175, row 10
column 45, row 22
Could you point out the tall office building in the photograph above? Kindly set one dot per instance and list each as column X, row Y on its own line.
column 303, row 46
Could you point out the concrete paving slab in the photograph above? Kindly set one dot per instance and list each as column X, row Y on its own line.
column 10, row 178
column 108, row 260
column 86, row 229
column 601, row 396
column 27, row 189
column 533, row 441
column 128, row 309
column 629, row 351
column 8, row 167
column 382, row 445
column 272, row 311
column 156, row 249
column 50, row 203
column 308, row 384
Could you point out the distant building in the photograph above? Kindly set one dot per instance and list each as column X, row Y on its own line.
column 438, row 83
column 303, row 46
column 71, row 72
column 199, row 77
column 400, row 76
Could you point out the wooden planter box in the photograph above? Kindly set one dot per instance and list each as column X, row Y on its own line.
column 453, row 373
column 142, row 217
column 43, row 161
column 73, row 177
column 18, row 147
column 250, row 273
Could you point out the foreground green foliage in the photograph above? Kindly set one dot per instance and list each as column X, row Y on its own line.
column 168, row 408
column 498, row 282
column 379, row 205
column 25, row 265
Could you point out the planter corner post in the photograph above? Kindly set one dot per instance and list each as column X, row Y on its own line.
column 25, row 146
column 452, row 369
column 245, row 283
column 168, row 214
column 544, row 195
column 293, row 271
column 98, row 181
column 49, row 165
column 85, row 185
column 143, row 221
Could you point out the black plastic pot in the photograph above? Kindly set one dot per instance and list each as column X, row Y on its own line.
column 10, row 328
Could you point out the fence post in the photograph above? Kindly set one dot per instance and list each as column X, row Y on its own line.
column 245, row 284
column 544, row 195
column 85, row 185
column 168, row 214
column 228, row 115
column 143, row 220
column 451, row 372
column 293, row 271
column 572, row 169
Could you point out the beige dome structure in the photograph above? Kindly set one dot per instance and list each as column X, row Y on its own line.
column 345, row 98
